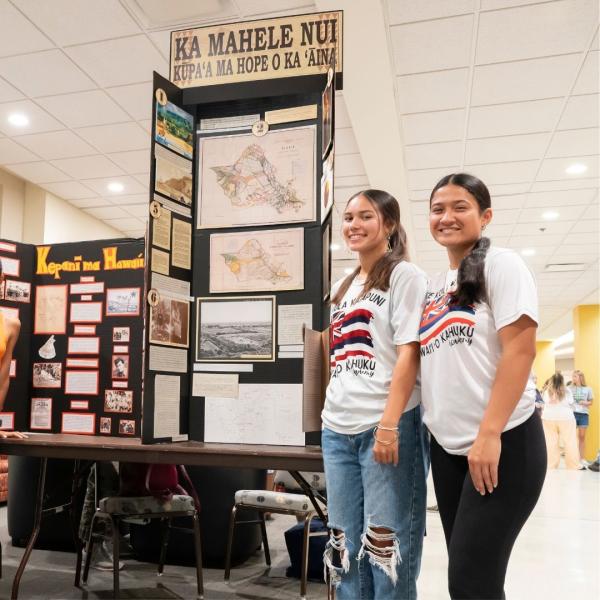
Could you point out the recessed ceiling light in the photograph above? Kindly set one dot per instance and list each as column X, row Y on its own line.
column 576, row 169
column 18, row 119
column 115, row 186
column 334, row 247
column 348, row 270
column 550, row 215
column 528, row 251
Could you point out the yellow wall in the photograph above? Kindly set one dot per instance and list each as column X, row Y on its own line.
column 544, row 365
column 586, row 323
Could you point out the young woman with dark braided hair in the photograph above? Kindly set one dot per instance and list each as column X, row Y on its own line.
column 488, row 453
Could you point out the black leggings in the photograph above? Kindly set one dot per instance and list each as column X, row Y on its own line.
column 481, row 530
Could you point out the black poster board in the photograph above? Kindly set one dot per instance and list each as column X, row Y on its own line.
column 78, row 364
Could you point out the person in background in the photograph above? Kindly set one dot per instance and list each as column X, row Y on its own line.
column 372, row 430
column 559, row 423
column 583, row 397
column 9, row 334
column 488, row 455
column 539, row 401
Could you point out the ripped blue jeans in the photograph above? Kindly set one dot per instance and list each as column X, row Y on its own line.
column 376, row 514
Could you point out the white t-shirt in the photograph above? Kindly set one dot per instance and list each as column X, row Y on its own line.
column 364, row 333
column 460, row 349
column 558, row 411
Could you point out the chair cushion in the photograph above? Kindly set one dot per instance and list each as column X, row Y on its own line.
column 139, row 505
column 313, row 478
column 273, row 500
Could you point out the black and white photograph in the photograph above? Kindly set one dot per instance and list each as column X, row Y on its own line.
column 118, row 401
column 169, row 322
column 120, row 334
column 123, row 302
column 120, row 366
column 47, row 375
column 234, row 329
column 17, row 291
column 127, row 426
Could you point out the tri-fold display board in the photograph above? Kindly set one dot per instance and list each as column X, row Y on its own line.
column 77, row 366
column 239, row 239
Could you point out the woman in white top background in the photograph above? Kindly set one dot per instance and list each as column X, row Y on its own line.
column 559, row 423
column 488, row 453
column 583, row 397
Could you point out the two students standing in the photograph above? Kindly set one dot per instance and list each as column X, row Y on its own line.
column 473, row 331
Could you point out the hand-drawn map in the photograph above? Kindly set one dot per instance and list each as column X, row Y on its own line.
column 258, row 260
column 247, row 180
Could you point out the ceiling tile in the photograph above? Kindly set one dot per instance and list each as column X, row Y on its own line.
column 585, row 227
column 147, row 124
column 39, row 120
column 508, row 172
column 580, row 112
column 504, row 217
column 559, row 198
column 87, row 202
column 580, row 238
column 120, row 137
column 78, row 21
column 416, row 10
column 508, row 202
column 11, row 152
column 574, row 142
column 442, row 126
column 554, row 168
column 534, row 215
column 69, row 190
column 587, row 81
column 17, row 34
column 565, row 184
column 494, row 4
column 143, row 178
column 107, row 212
column 84, row 109
column 421, row 93
column 162, row 40
column 425, row 179
column 424, row 156
column 501, row 149
column 56, row 144
column 345, row 142
column 126, row 199
column 129, row 223
column 131, row 186
column 349, row 164
column 136, row 210
column 524, row 80
column 136, row 99
column 135, row 161
column 552, row 228
column 515, row 118
column 506, row 189
column 591, row 212
column 38, row 172
column 104, row 60
column 432, row 45
column 549, row 28
column 8, row 93
column 494, row 231
column 544, row 239
column 54, row 74
column 88, row 167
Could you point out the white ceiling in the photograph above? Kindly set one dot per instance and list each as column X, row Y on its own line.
column 506, row 89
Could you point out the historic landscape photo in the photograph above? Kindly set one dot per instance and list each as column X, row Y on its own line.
column 247, row 180
column 173, row 176
column 174, row 128
column 233, row 329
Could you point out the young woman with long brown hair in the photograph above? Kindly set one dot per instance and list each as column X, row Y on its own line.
column 372, row 431
column 488, row 454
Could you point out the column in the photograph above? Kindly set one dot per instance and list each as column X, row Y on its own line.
column 586, row 324
column 543, row 365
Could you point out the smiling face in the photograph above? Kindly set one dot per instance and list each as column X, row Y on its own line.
column 455, row 219
column 363, row 228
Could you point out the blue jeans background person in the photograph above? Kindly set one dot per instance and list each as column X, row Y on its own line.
column 364, row 497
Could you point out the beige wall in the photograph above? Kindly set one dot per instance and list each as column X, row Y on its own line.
column 32, row 215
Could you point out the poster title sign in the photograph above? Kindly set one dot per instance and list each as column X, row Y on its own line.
column 254, row 50
column 110, row 262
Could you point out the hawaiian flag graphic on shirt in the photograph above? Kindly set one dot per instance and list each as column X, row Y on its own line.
column 438, row 315
column 350, row 335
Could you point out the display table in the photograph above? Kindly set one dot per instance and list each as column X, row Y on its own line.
column 83, row 447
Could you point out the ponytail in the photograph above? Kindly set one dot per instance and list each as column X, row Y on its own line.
column 471, row 276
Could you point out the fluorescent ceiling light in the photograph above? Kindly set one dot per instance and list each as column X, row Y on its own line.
column 568, row 351
column 550, row 215
column 115, row 186
column 528, row 251
column 334, row 247
column 566, row 338
column 18, row 119
column 576, row 169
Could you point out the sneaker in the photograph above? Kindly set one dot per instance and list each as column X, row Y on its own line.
column 102, row 557
column 583, row 465
column 595, row 466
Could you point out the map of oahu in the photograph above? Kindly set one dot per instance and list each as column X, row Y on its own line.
column 252, row 263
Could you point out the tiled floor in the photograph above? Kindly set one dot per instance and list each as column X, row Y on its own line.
column 555, row 558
